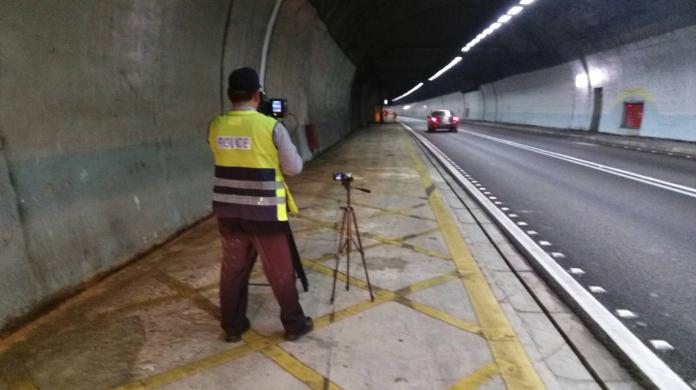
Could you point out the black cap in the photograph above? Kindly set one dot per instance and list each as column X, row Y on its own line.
column 243, row 79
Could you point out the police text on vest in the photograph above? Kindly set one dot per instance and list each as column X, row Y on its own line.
column 234, row 143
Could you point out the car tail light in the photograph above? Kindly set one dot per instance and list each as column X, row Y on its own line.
column 455, row 119
column 433, row 119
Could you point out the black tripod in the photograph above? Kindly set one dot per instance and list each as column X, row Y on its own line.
column 346, row 239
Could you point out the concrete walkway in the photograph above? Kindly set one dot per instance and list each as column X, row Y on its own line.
column 448, row 313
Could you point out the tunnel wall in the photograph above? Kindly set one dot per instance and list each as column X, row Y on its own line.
column 103, row 121
column 659, row 72
column 307, row 67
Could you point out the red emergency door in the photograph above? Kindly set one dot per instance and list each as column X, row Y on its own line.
column 633, row 115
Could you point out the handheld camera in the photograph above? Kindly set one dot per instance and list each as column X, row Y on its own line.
column 276, row 108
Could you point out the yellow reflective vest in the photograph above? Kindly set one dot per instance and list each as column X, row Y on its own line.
column 249, row 183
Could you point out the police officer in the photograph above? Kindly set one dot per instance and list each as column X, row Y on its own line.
column 251, row 200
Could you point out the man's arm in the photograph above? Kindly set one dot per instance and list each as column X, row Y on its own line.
column 290, row 160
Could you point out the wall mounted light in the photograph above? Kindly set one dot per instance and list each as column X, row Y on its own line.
column 582, row 81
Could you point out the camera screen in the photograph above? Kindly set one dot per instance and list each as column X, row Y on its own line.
column 277, row 106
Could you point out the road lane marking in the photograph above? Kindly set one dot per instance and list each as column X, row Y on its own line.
column 623, row 313
column 576, row 271
column 661, row 345
column 644, row 359
column 597, row 290
column 557, row 255
column 652, row 181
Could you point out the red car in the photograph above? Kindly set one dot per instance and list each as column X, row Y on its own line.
column 442, row 119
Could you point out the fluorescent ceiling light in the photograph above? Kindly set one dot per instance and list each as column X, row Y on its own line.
column 504, row 18
column 515, row 10
column 466, row 48
column 481, row 36
column 525, row 2
column 410, row 91
column 495, row 26
column 386, row 102
column 447, row 67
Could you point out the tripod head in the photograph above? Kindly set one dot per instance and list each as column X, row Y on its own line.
column 346, row 178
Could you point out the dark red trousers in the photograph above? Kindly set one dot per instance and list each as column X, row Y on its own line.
column 242, row 241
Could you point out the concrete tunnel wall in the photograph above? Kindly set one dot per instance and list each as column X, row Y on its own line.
column 659, row 72
column 103, row 121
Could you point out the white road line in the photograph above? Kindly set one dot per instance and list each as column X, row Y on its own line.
column 623, row 313
column 557, row 255
column 597, row 290
column 643, row 357
column 521, row 223
column 505, row 208
column 576, row 271
column 498, row 203
column 532, row 232
column 674, row 187
column 661, row 345
column 513, row 215
column 544, row 243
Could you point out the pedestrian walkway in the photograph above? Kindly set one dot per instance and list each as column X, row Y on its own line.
column 447, row 313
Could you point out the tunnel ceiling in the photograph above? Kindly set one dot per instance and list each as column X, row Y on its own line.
column 397, row 43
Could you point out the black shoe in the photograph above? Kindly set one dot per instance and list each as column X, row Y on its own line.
column 309, row 325
column 234, row 338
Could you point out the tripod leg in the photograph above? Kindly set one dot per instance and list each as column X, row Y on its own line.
column 349, row 241
column 338, row 254
column 362, row 255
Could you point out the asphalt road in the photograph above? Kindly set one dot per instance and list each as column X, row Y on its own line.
column 631, row 235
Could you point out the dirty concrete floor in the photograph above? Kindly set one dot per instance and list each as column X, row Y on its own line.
column 154, row 324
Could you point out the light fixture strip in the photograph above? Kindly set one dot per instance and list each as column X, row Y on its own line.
column 447, row 67
column 410, row 91
column 488, row 31
column 496, row 25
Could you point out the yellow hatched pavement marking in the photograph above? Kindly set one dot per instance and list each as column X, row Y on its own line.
column 477, row 378
column 422, row 285
column 389, row 241
column 382, row 295
column 191, row 369
column 254, row 342
column 501, row 338
column 298, row 369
